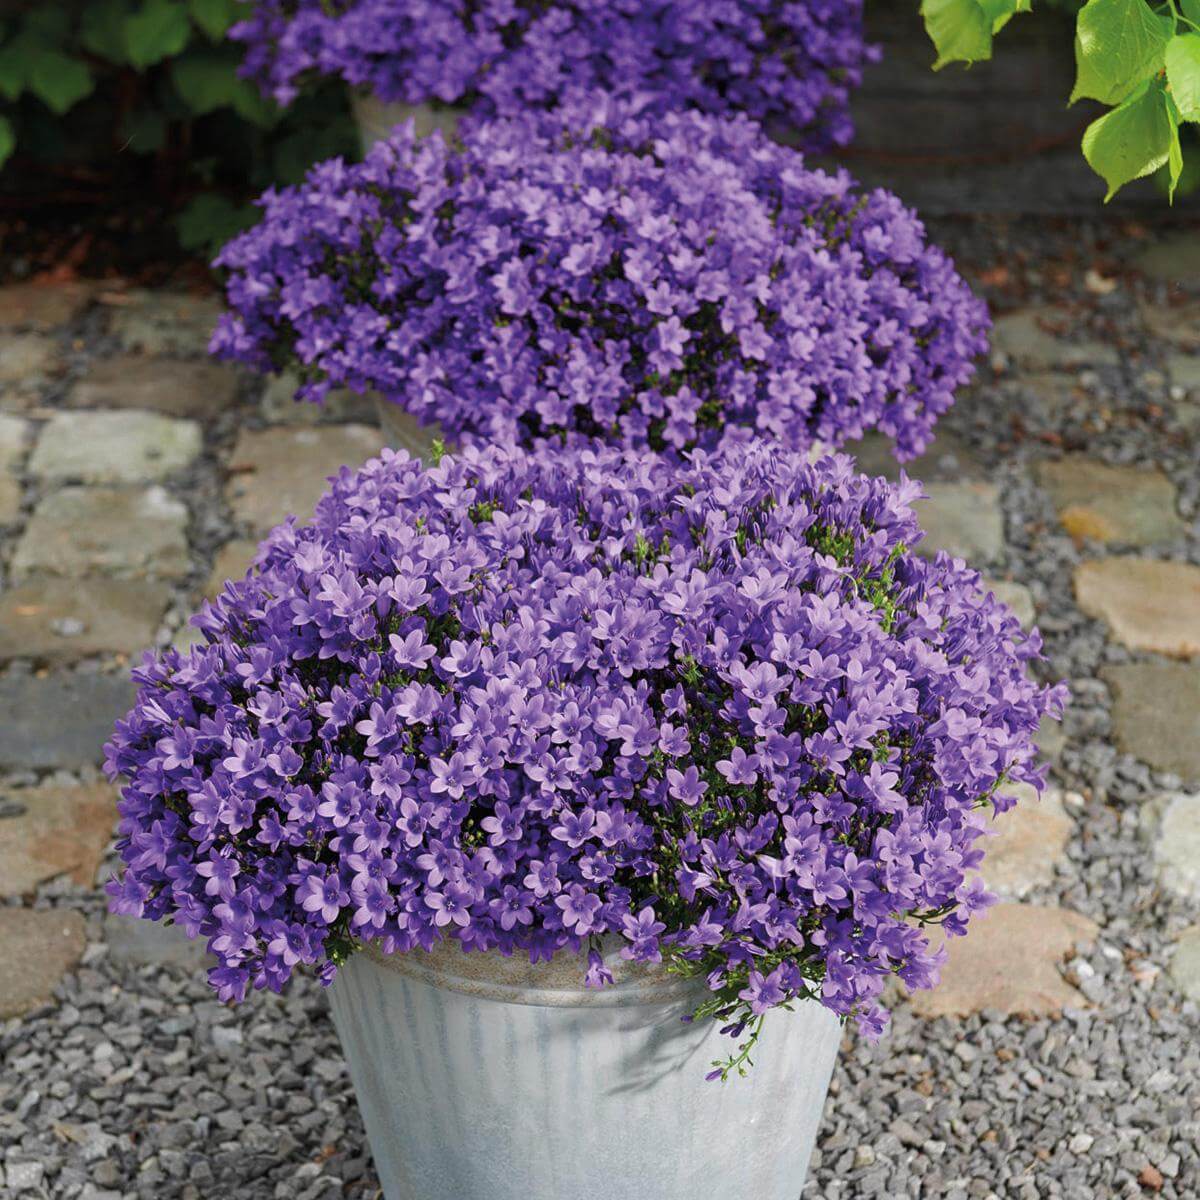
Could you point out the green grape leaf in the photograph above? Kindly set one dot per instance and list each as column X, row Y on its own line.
column 102, row 29
column 1000, row 12
column 1191, row 10
column 160, row 29
column 1119, row 45
column 959, row 29
column 207, row 80
column 214, row 16
column 57, row 79
column 1131, row 141
column 14, row 70
column 210, row 220
column 1183, row 74
column 8, row 139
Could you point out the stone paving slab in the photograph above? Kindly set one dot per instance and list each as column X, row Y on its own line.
column 163, row 323
column 1173, row 823
column 1030, row 338
column 1147, row 604
column 63, row 620
column 1016, row 595
column 1010, row 962
column 964, row 519
column 132, row 940
column 25, row 361
column 276, row 473
column 1178, row 324
column 1171, row 259
column 1124, row 505
column 233, row 560
column 37, row 948
column 128, row 446
column 10, row 500
column 185, row 388
column 1156, row 714
column 14, row 432
column 1185, row 963
column 949, row 458
column 123, row 532
column 59, row 721
column 54, row 831
column 1028, row 842
column 280, row 406
column 42, row 306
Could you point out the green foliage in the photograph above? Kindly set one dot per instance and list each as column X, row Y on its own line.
column 106, row 85
column 1139, row 57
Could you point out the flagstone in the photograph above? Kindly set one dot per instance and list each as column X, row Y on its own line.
column 1174, row 823
column 233, row 560
column 1147, row 604
column 42, row 306
column 13, row 432
column 128, row 533
column 284, row 471
column 26, row 358
column 175, row 388
column 964, row 519
column 10, row 500
column 1173, row 258
column 163, row 322
column 1185, row 963
column 59, row 720
column 1016, row 595
column 1178, row 324
column 63, row 620
column 1156, row 714
column 54, row 831
column 1184, row 370
column 38, row 947
column 948, row 457
column 1029, row 337
column 1128, row 505
column 1026, row 843
column 126, row 446
column 1010, row 962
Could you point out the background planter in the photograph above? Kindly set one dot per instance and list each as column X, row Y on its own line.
column 404, row 431
column 376, row 118
column 485, row 1078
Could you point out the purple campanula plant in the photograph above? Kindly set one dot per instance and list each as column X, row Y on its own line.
column 786, row 63
column 669, row 282
column 718, row 711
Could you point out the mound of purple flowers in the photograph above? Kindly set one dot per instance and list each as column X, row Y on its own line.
column 718, row 710
column 790, row 64
column 665, row 282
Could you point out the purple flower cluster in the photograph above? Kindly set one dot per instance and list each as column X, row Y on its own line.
column 666, row 282
column 787, row 63
column 717, row 710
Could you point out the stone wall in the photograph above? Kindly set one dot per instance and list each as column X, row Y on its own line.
column 995, row 137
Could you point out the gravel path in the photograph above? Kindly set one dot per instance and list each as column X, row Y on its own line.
column 131, row 1081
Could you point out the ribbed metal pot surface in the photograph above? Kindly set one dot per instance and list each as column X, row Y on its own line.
column 485, row 1078
column 376, row 118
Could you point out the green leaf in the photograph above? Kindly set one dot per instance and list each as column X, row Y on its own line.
column 160, row 29
column 207, row 80
column 1119, row 45
column 960, row 30
column 1183, row 74
column 1191, row 10
column 1131, row 141
column 14, row 71
column 214, row 16
column 1174, row 163
column 144, row 131
column 8, row 139
column 57, row 79
column 102, row 29
column 210, row 220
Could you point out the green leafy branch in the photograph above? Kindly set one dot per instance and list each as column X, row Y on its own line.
column 1140, row 58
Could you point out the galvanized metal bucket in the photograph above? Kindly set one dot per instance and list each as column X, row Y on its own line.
column 376, row 118
column 486, row 1078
